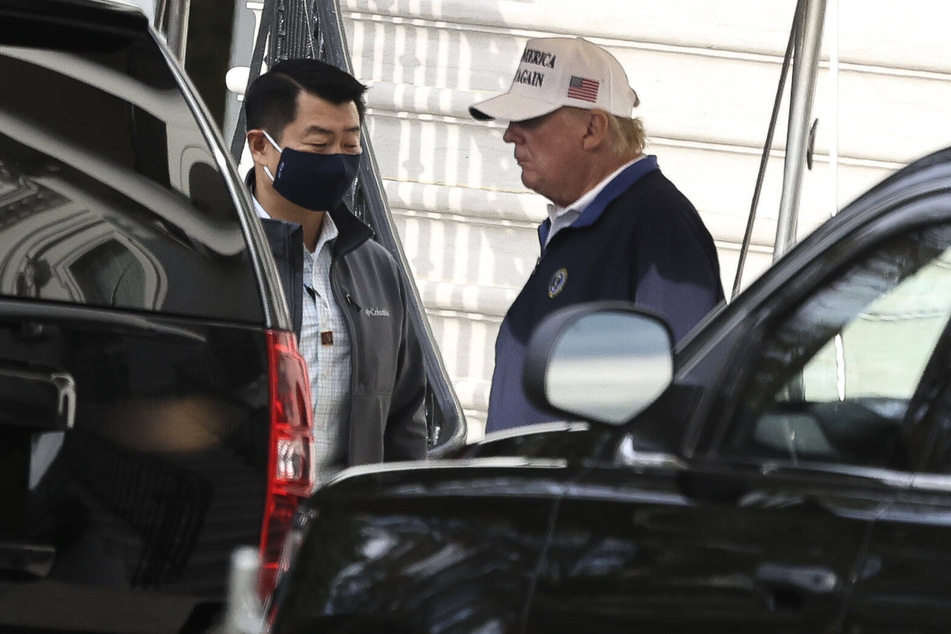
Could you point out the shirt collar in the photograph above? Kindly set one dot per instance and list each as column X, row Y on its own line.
column 258, row 208
column 328, row 229
column 578, row 207
column 328, row 233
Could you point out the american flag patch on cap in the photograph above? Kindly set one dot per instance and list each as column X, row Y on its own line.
column 584, row 89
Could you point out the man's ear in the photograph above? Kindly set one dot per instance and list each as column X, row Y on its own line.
column 596, row 132
column 258, row 145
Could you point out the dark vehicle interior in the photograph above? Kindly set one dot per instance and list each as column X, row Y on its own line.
column 791, row 411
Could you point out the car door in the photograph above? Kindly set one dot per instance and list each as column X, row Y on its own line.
column 656, row 552
column 139, row 334
column 808, row 435
column 904, row 582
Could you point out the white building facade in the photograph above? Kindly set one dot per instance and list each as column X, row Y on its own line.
column 706, row 74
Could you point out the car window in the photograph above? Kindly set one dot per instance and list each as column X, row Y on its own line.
column 843, row 378
column 109, row 193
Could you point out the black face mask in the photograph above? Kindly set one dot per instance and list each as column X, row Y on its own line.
column 313, row 181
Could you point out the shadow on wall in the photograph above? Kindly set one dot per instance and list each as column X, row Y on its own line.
column 423, row 76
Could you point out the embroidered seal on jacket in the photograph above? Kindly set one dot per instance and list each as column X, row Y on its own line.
column 557, row 283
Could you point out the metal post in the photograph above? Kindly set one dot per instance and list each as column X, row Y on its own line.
column 803, row 88
column 794, row 31
column 177, row 34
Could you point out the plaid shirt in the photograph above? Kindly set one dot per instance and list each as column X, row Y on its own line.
column 328, row 362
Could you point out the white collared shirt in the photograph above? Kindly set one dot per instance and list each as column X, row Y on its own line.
column 562, row 217
column 328, row 365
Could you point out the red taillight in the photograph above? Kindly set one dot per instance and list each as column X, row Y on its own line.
column 290, row 464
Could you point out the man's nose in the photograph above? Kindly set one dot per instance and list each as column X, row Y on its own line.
column 512, row 133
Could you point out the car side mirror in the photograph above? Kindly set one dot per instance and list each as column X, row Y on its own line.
column 603, row 361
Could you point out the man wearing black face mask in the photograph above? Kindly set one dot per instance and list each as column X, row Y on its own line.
column 343, row 289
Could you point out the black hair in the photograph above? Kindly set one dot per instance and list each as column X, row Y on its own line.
column 271, row 100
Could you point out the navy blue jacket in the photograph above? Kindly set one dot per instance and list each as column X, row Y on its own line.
column 639, row 240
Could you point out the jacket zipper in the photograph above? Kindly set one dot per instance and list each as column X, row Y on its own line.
column 354, row 347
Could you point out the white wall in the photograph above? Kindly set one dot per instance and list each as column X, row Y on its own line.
column 706, row 73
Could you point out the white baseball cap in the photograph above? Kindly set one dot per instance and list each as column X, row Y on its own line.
column 561, row 71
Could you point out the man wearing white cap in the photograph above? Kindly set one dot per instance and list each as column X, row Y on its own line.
column 617, row 228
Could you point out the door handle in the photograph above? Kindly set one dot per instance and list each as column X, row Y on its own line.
column 816, row 580
column 42, row 400
column 788, row 588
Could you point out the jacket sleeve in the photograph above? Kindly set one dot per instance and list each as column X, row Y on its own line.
column 677, row 273
column 406, row 434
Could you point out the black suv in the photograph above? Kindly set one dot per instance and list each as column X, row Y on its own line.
column 788, row 470
column 153, row 408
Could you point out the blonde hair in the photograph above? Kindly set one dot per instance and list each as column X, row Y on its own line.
column 626, row 136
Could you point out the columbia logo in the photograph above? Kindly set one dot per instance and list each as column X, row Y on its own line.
column 377, row 312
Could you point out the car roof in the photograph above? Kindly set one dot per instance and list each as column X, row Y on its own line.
column 102, row 13
column 40, row 6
